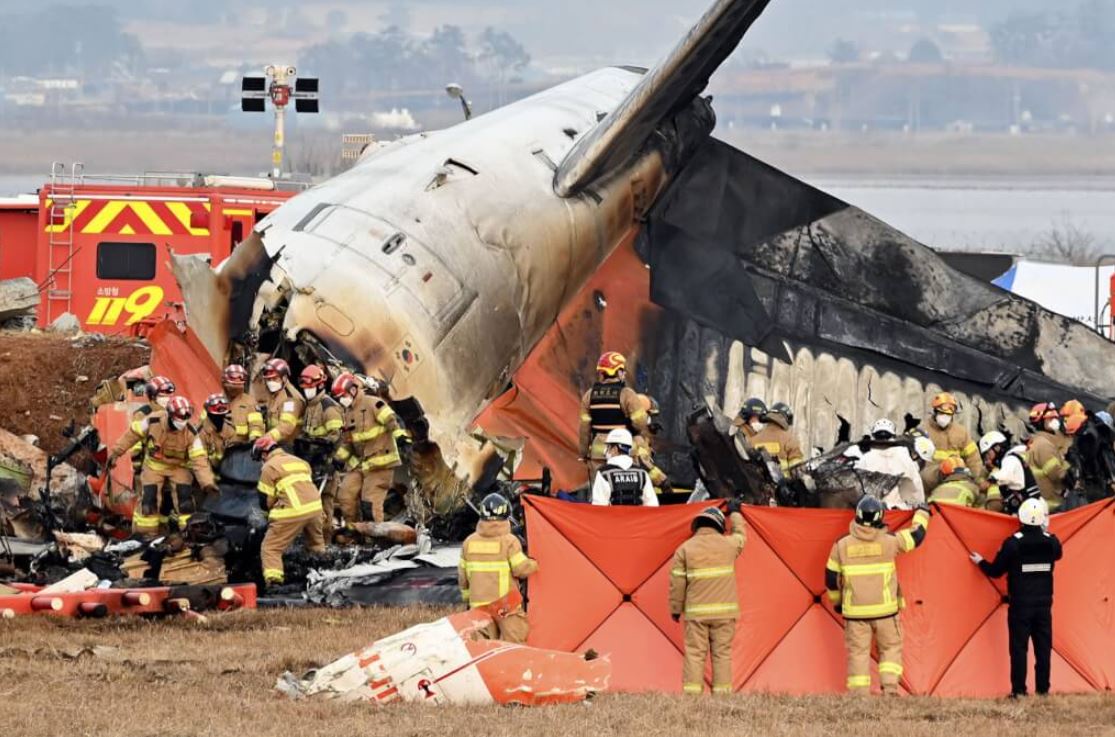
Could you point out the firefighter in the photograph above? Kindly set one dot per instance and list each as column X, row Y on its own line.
column 776, row 438
column 955, row 485
column 703, row 588
column 216, row 430
column 317, row 444
column 492, row 562
column 951, row 439
column 157, row 391
column 368, row 452
column 610, row 404
column 293, row 502
column 862, row 583
column 619, row 482
column 1011, row 481
column 284, row 406
column 1027, row 558
column 173, row 455
column 243, row 411
column 884, row 453
column 1044, row 456
column 922, row 454
column 644, row 448
column 751, row 419
column 1073, row 416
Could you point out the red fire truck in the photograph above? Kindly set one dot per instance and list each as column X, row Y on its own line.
column 99, row 246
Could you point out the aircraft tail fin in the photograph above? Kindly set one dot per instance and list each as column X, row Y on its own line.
column 663, row 90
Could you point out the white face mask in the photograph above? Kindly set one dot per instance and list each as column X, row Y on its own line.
column 346, row 401
column 757, row 426
column 162, row 401
column 943, row 421
column 274, row 386
column 179, row 424
column 1053, row 425
column 311, row 392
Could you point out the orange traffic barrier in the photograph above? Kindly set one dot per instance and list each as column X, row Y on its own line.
column 604, row 575
column 147, row 601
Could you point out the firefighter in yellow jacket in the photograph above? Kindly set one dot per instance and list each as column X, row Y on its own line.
column 703, row 588
column 862, row 583
column 243, row 411
column 284, row 405
column 643, row 450
column 776, row 437
column 491, row 560
column 369, row 451
column 609, row 405
column 294, row 504
column 955, row 485
column 217, row 430
column 1044, row 454
column 321, row 434
column 951, row 439
column 173, row 456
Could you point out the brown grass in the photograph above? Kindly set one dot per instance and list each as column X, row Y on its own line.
column 176, row 678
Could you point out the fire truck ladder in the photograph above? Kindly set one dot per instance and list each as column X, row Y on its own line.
column 60, row 248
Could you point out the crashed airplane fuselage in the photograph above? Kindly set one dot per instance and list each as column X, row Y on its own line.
column 441, row 260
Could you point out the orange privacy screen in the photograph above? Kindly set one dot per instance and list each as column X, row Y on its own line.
column 604, row 572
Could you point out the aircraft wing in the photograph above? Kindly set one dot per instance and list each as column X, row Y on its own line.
column 669, row 86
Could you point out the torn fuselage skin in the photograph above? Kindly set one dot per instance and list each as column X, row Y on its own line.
column 438, row 262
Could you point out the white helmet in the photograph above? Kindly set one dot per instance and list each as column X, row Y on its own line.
column 621, row 436
column 990, row 440
column 1034, row 512
column 884, row 427
column 924, row 448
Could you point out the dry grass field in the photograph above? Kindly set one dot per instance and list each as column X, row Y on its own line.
column 176, row 678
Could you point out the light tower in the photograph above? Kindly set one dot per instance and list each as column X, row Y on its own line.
column 257, row 90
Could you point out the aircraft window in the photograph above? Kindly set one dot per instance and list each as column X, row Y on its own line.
column 393, row 243
column 126, row 261
column 408, row 259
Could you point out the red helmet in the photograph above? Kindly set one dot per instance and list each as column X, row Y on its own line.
column 179, row 408
column 235, row 375
column 611, row 363
column 159, row 386
column 342, row 384
column 263, row 446
column 276, row 368
column 1043, row 411
column 312, row 376
column 216, row 404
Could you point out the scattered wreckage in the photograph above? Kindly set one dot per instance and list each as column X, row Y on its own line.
column 442, row 662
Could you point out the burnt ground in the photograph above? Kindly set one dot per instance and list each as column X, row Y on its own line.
column 40, row 386
column 173, row 677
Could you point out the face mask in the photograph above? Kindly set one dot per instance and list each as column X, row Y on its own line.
column 310, row 392
column 944, row 421
column 162, row 401
column 1053, row 425
column 274, row 386
column 346, row 401
column 179, row 424
column 757, row 426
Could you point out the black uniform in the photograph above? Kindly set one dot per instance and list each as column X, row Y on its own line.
column 1027, row 557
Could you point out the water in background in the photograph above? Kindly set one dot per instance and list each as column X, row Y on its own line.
column 1006, row 215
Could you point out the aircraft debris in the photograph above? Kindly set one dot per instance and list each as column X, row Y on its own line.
column 440, row 663
column 19, row 299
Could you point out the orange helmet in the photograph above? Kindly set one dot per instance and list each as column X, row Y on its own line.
column 1072, row 407
column 342, row 384
column 312, row 376
column 611, row 363
column 1043, row 411
column 263, row 446
column 276, row 368
column 949, row 466
column 216, row 404
column 180, row 408
column 1074, row 422
column 235, row 375
column 944, row 403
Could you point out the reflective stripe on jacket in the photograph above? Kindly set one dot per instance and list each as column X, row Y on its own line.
column 862, row 564
column 491, row 559
column 286, row 482
column 959, row 490
column 703, row 573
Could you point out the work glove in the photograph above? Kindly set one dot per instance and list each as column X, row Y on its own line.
column 733, row 506
column 675, row 617
column 975, row 558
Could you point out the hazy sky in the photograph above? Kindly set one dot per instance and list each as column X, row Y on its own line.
column 628, row 31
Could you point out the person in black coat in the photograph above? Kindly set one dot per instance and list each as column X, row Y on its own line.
column 1027, row 558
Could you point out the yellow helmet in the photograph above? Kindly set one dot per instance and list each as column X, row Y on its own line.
column 944, row 403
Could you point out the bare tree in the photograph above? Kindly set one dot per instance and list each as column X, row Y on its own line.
column 1068, row 243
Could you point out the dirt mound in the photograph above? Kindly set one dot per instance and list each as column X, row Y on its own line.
column 47, row 380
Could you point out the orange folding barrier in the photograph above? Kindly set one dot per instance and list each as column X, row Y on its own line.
column 604, row 573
